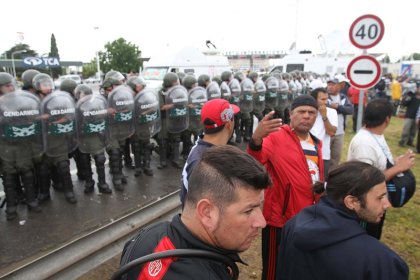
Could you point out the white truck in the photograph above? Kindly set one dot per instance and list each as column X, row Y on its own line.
column 187, row 60
column 330, row 64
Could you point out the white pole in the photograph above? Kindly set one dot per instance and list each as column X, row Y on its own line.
column 13, row 61
column 97, row 61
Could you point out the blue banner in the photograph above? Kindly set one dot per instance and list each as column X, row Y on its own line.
column 40, row 62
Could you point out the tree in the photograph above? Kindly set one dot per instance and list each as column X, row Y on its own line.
column 19, row 47
column 55, row 72
column 120, row 55
column 89, row 69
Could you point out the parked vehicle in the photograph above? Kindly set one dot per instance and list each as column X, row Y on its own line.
column 74, row 77
column 188, row 60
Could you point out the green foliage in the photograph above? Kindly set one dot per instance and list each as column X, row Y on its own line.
column 55, row 72
column 120, row 55
column 401, row 228
column 89, row 69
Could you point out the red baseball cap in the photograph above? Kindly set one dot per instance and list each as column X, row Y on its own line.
column 217, row 112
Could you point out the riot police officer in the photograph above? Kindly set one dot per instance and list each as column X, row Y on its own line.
column 189, row 82
column 53, row 166
column 20, row 139
column 93, row 135
column 7, row 83
column 169, row 80
column 27, row 77
column 120, row 107
column 147, row 123
column 140, row 143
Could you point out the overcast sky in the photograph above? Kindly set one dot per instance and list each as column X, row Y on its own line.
column 156, row 25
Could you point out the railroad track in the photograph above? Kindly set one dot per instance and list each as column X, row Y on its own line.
column 87, row 252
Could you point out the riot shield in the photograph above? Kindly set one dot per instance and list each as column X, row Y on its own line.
column 259, row 96
column 177, row 118
column 299, row 87
column 272, row 85
column 197, row 98
column 283, row 95
column 292, row 90
column 20, row 126
column 235, row 89
column 213, row 91
column 58, row 124
column 92, row 123
column 120, row 110
column 147, row 120
column 225, row 90
column 246, row 97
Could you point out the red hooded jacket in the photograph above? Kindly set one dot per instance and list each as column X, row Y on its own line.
column 291, row 191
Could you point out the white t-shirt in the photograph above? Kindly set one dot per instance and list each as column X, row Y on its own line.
column 340, row 127
column 370, row 148
column 319, row 131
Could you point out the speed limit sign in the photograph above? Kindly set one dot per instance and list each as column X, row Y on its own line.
column 366, row 31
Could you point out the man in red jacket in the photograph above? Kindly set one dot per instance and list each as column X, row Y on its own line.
column 293, row 158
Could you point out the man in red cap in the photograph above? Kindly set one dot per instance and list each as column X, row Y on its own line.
column 217, row 118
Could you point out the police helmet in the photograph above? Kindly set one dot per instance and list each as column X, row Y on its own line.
column 239, row 76
column 253, row 76
column 115, row 74
column 27, row 77
column 6, row 78
column 170, row 79
column 181, row 76
column 68, row 85
column 110, row 81
column 217, row 79
column 42, row 81
column 203, row 80
column 189, row 81
column 81, row 91
column 226, row 76
column 133, row 82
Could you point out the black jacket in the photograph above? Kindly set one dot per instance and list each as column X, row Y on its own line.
column 168, row 236
column 412, row 103
column 325, row 242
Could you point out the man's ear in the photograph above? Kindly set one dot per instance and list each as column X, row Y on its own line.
column 352, row 203
column 207, row 213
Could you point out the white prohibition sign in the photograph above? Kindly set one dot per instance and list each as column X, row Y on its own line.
column 366, row 31
column 364, row 72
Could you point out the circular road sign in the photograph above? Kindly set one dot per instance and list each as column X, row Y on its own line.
column 364, row 72
column 366, row 31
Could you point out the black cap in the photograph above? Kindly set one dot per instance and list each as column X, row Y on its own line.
column 304, row 100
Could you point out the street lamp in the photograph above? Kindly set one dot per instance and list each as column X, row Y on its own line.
column 13, row 61
column 97, row 61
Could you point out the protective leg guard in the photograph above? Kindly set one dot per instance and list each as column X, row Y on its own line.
column 56, row 179
column 43, row 181
column 162, row 154
column 28, row 183
column 248, row 129
column 100, row 170
column 9, row 184
column 128, row 162
column 82, row 173
column 84, row 161
column 176, row 161
column 147, row 157
column 135, row 145
column 63, row 168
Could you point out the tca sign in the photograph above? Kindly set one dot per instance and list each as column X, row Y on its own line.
column 41, row 62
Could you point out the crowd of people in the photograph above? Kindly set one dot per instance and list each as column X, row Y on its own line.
column 316, row 214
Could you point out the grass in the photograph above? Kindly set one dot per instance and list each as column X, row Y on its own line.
column 401, row 229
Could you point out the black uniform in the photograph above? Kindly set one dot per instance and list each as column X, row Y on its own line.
column 168, row 236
